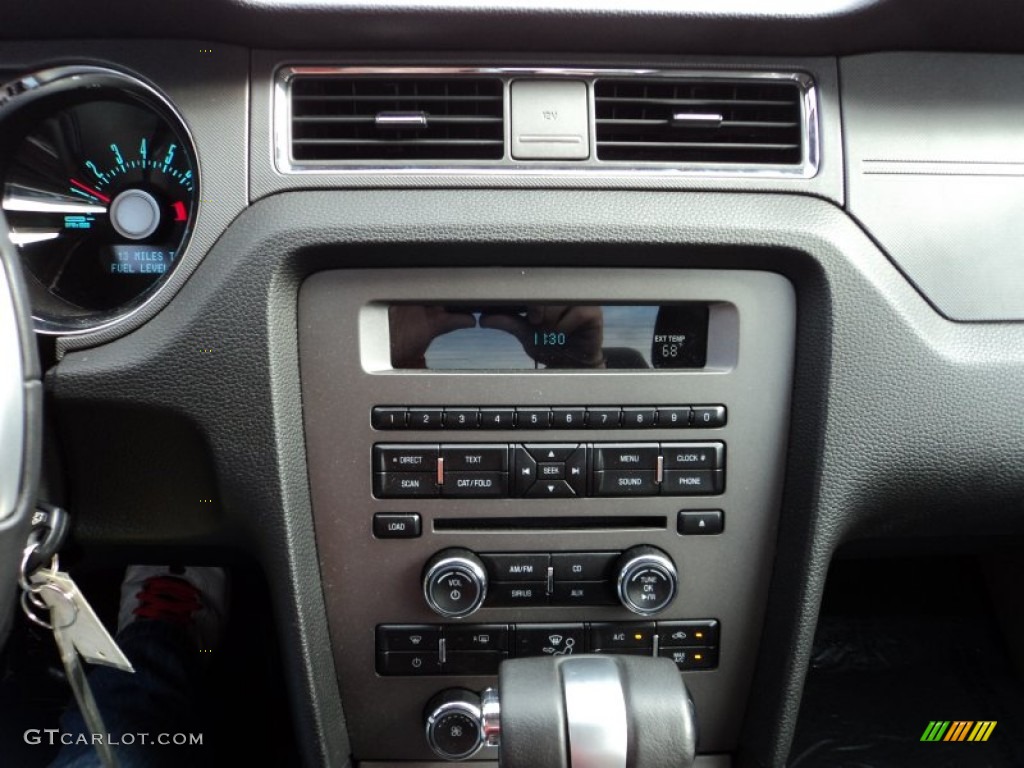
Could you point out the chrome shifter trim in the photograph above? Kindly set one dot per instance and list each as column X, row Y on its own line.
column 595, row 709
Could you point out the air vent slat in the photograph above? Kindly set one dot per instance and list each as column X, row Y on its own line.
column 752, row 122
column 343, row 118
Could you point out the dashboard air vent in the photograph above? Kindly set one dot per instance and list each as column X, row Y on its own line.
column 396, row 119
column 714, row 122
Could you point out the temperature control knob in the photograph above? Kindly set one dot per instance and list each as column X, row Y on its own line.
column 453, row 724
column 647, row 580
column 454, row 583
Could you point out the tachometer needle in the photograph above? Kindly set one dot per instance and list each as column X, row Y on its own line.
column 91, row 191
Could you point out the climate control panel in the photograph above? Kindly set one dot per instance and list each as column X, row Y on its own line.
column 417, row 650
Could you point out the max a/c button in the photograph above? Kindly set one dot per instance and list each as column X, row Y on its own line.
column 395, row 525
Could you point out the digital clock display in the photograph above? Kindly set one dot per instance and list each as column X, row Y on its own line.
column 539, row 336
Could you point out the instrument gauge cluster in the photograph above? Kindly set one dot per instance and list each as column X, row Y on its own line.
column 100, row 191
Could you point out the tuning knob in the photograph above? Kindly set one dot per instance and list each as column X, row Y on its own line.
column 647, row 580
column 453, row 724
column 454, row 583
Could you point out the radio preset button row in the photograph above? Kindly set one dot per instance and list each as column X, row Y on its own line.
column 557, row 417
column 479, row 649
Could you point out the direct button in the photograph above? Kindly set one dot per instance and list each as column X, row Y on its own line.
column 475, row 458
column 396, row 525
column 626, row 456
column 405, row 458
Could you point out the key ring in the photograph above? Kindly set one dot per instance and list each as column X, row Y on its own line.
column 32, row 590
column 25, row 599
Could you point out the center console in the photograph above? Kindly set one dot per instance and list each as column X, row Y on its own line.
column 507, row 463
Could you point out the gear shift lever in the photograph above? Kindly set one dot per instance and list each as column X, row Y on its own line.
column 582, row 711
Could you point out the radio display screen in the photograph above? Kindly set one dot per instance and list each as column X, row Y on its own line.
column 518, row 337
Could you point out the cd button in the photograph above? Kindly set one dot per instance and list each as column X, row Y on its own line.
column 583, row 566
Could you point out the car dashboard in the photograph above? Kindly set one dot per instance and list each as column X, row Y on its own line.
column 495, row 332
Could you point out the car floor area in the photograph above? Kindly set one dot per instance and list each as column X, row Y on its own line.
column 903, row 644
column 243, row 706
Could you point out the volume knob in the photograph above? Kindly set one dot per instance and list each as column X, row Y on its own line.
column 647, row 580
column 454, row 583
